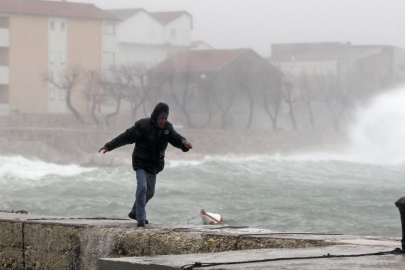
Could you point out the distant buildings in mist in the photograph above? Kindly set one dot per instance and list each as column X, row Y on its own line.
column 367, row 68
column 42, row 41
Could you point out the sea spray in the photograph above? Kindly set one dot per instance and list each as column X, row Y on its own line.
column 377, row 136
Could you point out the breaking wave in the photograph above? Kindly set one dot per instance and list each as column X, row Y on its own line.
column 377, row 136
column 23, row 168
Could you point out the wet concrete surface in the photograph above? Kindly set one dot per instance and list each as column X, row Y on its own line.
column 325, row 263
column 48, row 240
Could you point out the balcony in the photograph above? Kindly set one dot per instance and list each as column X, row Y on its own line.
column 4, row 37
column 4, row 75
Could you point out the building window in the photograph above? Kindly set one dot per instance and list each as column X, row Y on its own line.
column 62, row 26
column 172, row 33
column 62, row 58
column 52, row 58
column 4, row 22
column 52, row 26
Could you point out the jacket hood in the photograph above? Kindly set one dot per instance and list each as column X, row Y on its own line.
column 160, row 108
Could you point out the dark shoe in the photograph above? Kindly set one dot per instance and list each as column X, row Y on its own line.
column 140, row 224
column 132, row 216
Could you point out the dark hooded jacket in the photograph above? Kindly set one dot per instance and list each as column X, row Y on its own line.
column 150, row 141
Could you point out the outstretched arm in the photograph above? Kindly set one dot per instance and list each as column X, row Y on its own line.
column 179, row 141
column 131, row 135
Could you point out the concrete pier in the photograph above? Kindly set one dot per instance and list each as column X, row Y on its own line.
column 43, row 242
column 324, row 263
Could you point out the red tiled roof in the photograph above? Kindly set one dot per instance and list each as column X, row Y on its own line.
column 166, row 17
column 204, row 60
column 51, row 8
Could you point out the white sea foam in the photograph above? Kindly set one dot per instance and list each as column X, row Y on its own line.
column 22, row 168
column 239, row 159
column 349, row 153
column 180, row 162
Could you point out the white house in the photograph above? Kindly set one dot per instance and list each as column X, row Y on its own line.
column 150, row 37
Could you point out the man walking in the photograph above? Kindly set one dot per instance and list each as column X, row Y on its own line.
column 151, row 136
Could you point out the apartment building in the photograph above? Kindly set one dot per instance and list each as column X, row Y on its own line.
column 45, row 37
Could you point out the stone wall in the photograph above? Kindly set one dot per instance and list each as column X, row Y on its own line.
column 35, row 242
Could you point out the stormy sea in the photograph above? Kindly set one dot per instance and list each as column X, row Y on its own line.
column 351, row 191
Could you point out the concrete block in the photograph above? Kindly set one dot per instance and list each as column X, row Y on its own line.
column 10, row 244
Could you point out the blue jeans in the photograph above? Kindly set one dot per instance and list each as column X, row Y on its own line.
column 145, row 190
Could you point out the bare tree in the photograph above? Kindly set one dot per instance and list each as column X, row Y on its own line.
column 190, row 91
column 181, row 92
column 289, row 96
column 307, row 95
column 68, row 82
column 155, row 83
column 252, row 72
column 115, row 82
column 205, row 89
column 93, row 94
column 246, row 81
column 224, row 94
column 271, row 96
column 139, row 88
column 336, row 99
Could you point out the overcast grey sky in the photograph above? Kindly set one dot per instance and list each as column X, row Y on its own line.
column 258, row 23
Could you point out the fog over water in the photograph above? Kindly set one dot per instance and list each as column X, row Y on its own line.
column 351, row 191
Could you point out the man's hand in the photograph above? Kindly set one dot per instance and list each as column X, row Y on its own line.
column 105, row 149
column 188, row 145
